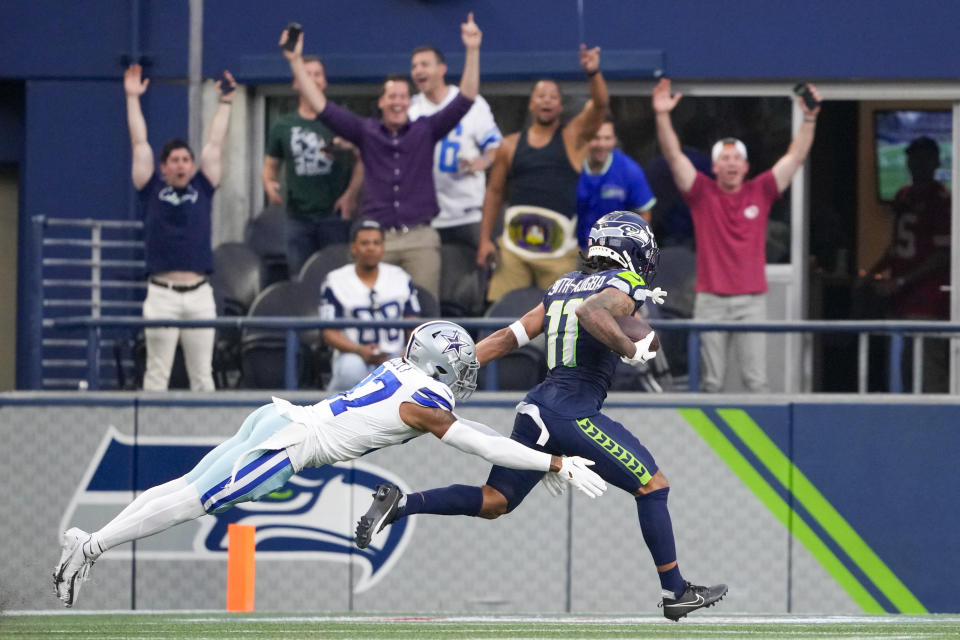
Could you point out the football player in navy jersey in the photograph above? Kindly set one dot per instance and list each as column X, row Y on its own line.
column 562, row 415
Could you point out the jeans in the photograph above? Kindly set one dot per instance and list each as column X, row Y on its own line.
column 305, row 236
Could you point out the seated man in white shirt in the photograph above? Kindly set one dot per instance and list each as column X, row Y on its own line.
column 366, row 289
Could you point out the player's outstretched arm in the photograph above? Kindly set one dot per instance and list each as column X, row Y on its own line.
column 497, row 449
column 502, row 342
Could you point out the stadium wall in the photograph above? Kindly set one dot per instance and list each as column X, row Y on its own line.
column 64, row 61
column 800, row 504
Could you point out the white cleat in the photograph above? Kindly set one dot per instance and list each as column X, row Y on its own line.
column 73, row 568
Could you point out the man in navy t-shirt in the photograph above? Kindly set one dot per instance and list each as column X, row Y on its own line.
column 176, row 204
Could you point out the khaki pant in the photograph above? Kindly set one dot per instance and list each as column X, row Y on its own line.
column 197, row 344
column 417, row 252
column 750, row 347
column 516, row 272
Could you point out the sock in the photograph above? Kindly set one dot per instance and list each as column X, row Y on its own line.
column 657, row 532
column 151, row 494
column 455, row 500
column 154, row 516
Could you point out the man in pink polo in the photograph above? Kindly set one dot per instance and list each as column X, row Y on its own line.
column 730, row 217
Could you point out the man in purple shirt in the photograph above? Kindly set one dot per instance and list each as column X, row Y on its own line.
column 397, row 154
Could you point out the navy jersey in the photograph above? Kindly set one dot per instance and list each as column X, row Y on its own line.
column 579, row 367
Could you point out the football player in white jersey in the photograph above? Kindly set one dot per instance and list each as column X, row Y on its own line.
column 460, row 158
column 404, row 398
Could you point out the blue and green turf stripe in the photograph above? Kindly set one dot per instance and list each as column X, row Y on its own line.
column 807, row 495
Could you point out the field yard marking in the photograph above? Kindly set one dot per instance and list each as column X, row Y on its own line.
column 712, row 435
column 822, row 511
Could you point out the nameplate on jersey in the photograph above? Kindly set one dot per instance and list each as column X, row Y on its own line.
column 537, row 232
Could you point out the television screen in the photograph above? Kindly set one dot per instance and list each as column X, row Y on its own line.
column 894, row 130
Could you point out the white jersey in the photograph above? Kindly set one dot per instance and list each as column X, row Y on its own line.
column 460, row 195
column 365, row 418
column 344, row 295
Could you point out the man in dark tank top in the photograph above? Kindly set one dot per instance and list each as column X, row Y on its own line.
column 543, row 164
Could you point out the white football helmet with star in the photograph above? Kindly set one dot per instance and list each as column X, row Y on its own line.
column 445, row 351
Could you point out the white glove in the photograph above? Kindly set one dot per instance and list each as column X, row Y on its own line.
column 643, row 353
column 573, row 470
column 657, row 296
column 554, row 484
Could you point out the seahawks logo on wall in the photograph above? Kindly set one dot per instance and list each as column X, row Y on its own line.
column 311, row 518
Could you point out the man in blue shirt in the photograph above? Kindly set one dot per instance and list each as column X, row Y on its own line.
column 176, row 203
column 610, row 181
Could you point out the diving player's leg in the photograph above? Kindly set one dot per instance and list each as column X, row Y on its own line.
column 180, row 500
column 178, row 483
column 177, row 501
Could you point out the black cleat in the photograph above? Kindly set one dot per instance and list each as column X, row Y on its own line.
column 382, row 512
column 693, row 597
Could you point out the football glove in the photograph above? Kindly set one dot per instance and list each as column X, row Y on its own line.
column 643, row 353
column 656, row 296
column 554, row 484
column 574, row 471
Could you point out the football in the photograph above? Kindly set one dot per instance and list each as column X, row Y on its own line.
column 636, row 329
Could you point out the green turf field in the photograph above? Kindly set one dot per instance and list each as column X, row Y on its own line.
column 210, row 625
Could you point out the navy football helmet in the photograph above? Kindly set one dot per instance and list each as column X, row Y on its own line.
column 625, row 238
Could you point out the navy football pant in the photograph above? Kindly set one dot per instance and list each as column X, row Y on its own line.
column 620, row 458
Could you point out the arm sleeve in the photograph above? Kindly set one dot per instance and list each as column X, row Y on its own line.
column 447, row 118
column 342, row 122
column 495, row 448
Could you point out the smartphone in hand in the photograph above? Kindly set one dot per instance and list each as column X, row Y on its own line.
column 226, row 85
column 804, row 92
column 293, row 34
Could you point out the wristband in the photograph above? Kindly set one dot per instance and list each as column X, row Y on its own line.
column 519, row 332
column 809, row 119
column 590, row 74
column 226, row 102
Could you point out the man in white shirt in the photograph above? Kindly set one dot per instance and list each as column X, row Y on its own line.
column 461, row 158
column 366, row 289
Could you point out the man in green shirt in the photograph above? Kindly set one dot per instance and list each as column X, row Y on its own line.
column 322, row 176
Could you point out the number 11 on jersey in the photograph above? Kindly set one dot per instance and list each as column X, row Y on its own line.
column 563, row 328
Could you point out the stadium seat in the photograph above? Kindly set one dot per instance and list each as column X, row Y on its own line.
column 463, row 285
column 519, row 370
column 429, row 307
column 263, row 351
column 266, row 235
column 322, row 262
column 525, row 367
column 236, row 280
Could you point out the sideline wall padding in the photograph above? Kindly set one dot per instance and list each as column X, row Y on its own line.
column 801, row 505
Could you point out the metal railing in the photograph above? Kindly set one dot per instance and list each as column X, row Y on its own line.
column 291, row 326
column 77, row 266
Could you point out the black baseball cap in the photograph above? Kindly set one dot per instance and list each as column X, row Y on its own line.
column 361, row 225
